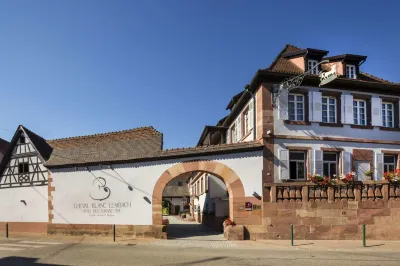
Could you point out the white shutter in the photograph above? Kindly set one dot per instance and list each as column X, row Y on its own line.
column 378, row 167
column 251, row 114
column 283, row 164
column 318, row 162
column 228, row 136
column 283, row 104
column 311, row 163
column 346, row 162
column 376, row 111
column 239, row 127
column 315, row 104
column 347, row 109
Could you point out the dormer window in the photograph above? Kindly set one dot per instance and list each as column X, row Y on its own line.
column 312, row 66
column 351, row 71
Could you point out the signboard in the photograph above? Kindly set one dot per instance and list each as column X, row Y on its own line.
column 326, row 77
column 249, row 206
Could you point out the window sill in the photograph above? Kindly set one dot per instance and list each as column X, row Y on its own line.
column 290, row 122
column 245, row 136
column 362, row 127
column 389, row 128
column 330, row 124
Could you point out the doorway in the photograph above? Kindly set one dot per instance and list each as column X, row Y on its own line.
column 361, row 168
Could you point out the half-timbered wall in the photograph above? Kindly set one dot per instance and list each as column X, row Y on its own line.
column 23, row 184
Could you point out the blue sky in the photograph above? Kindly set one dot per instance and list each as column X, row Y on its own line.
column 72, row 68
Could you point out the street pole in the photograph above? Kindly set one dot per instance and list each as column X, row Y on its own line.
column 291, row 235
column 363, row 236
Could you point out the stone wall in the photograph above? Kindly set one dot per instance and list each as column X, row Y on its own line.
column 335, row 212
column 137, row 231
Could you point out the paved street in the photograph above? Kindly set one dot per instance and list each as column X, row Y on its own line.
column 249, row 253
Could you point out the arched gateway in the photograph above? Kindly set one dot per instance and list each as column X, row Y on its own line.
column 231, row 179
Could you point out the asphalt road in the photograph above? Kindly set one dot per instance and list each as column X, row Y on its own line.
column 40, row 253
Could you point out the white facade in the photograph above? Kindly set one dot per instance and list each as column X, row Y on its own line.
column 23, row 184
column 25, row 204
column 350, row 115
column 242, row 128
column 123, row 195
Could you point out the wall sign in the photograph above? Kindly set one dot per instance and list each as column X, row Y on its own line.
column 326, row 77
column 99, row 193
column 249, row 206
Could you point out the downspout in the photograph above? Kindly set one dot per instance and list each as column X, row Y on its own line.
column 247, row 88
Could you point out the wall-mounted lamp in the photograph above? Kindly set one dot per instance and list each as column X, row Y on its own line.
column 255, row 194
column 147, row 199
column 24, row 202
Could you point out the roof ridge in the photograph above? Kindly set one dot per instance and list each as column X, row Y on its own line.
column 214, row 145
column 280, row 55
column 107, row 133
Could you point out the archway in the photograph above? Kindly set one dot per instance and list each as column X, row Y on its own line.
column 233, row 183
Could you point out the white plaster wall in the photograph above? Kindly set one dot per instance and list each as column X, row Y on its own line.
column 74, row 186
column 317, row 145
column 222, row 208
column 13, row 210
column 316, row 130
column 217, row 187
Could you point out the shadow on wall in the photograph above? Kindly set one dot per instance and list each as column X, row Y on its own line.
column 22, row 261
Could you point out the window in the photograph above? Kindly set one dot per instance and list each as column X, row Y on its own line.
column 23, row 168
column 311, row 65
column 330, row 164
column 22, row 139
column 246, row 121
column 329, row 109
column 297, row 164
column 389, row 163
column 351, row 71
column 233, row 132
column 296, row 107
column 387, row 115
column 180, row 184
column 359, row 107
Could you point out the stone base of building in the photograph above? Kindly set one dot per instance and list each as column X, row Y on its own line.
column 136, row 231
column 333, row 213
column 24, row 227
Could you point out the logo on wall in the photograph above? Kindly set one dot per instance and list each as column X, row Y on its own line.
column 100, row 191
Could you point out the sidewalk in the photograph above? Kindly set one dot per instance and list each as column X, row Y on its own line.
column 330, row 245
column 311, row 245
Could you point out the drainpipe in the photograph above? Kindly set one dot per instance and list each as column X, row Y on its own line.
column 247, row 88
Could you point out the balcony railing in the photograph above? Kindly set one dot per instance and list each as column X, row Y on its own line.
column 354, row 191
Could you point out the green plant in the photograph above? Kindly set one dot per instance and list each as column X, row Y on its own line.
column 368, row 173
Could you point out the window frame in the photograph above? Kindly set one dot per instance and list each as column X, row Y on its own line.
column 358, row 112
column 297, row 165
column 387, row 164
column 329, row 162
column 233, row 133
column 312, row 61
column 351, row 67
column 245, row 121
column 328, row 109
column 24, row 166
column 295, row 106
column 386, row 116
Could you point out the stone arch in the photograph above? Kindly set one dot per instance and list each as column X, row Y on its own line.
column 232, row 181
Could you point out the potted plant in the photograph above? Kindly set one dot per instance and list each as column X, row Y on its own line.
column 229, row 222
column 320, row 180
column 350, row 177
column 392, row 176
column 369, row 174
column 165, row 222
